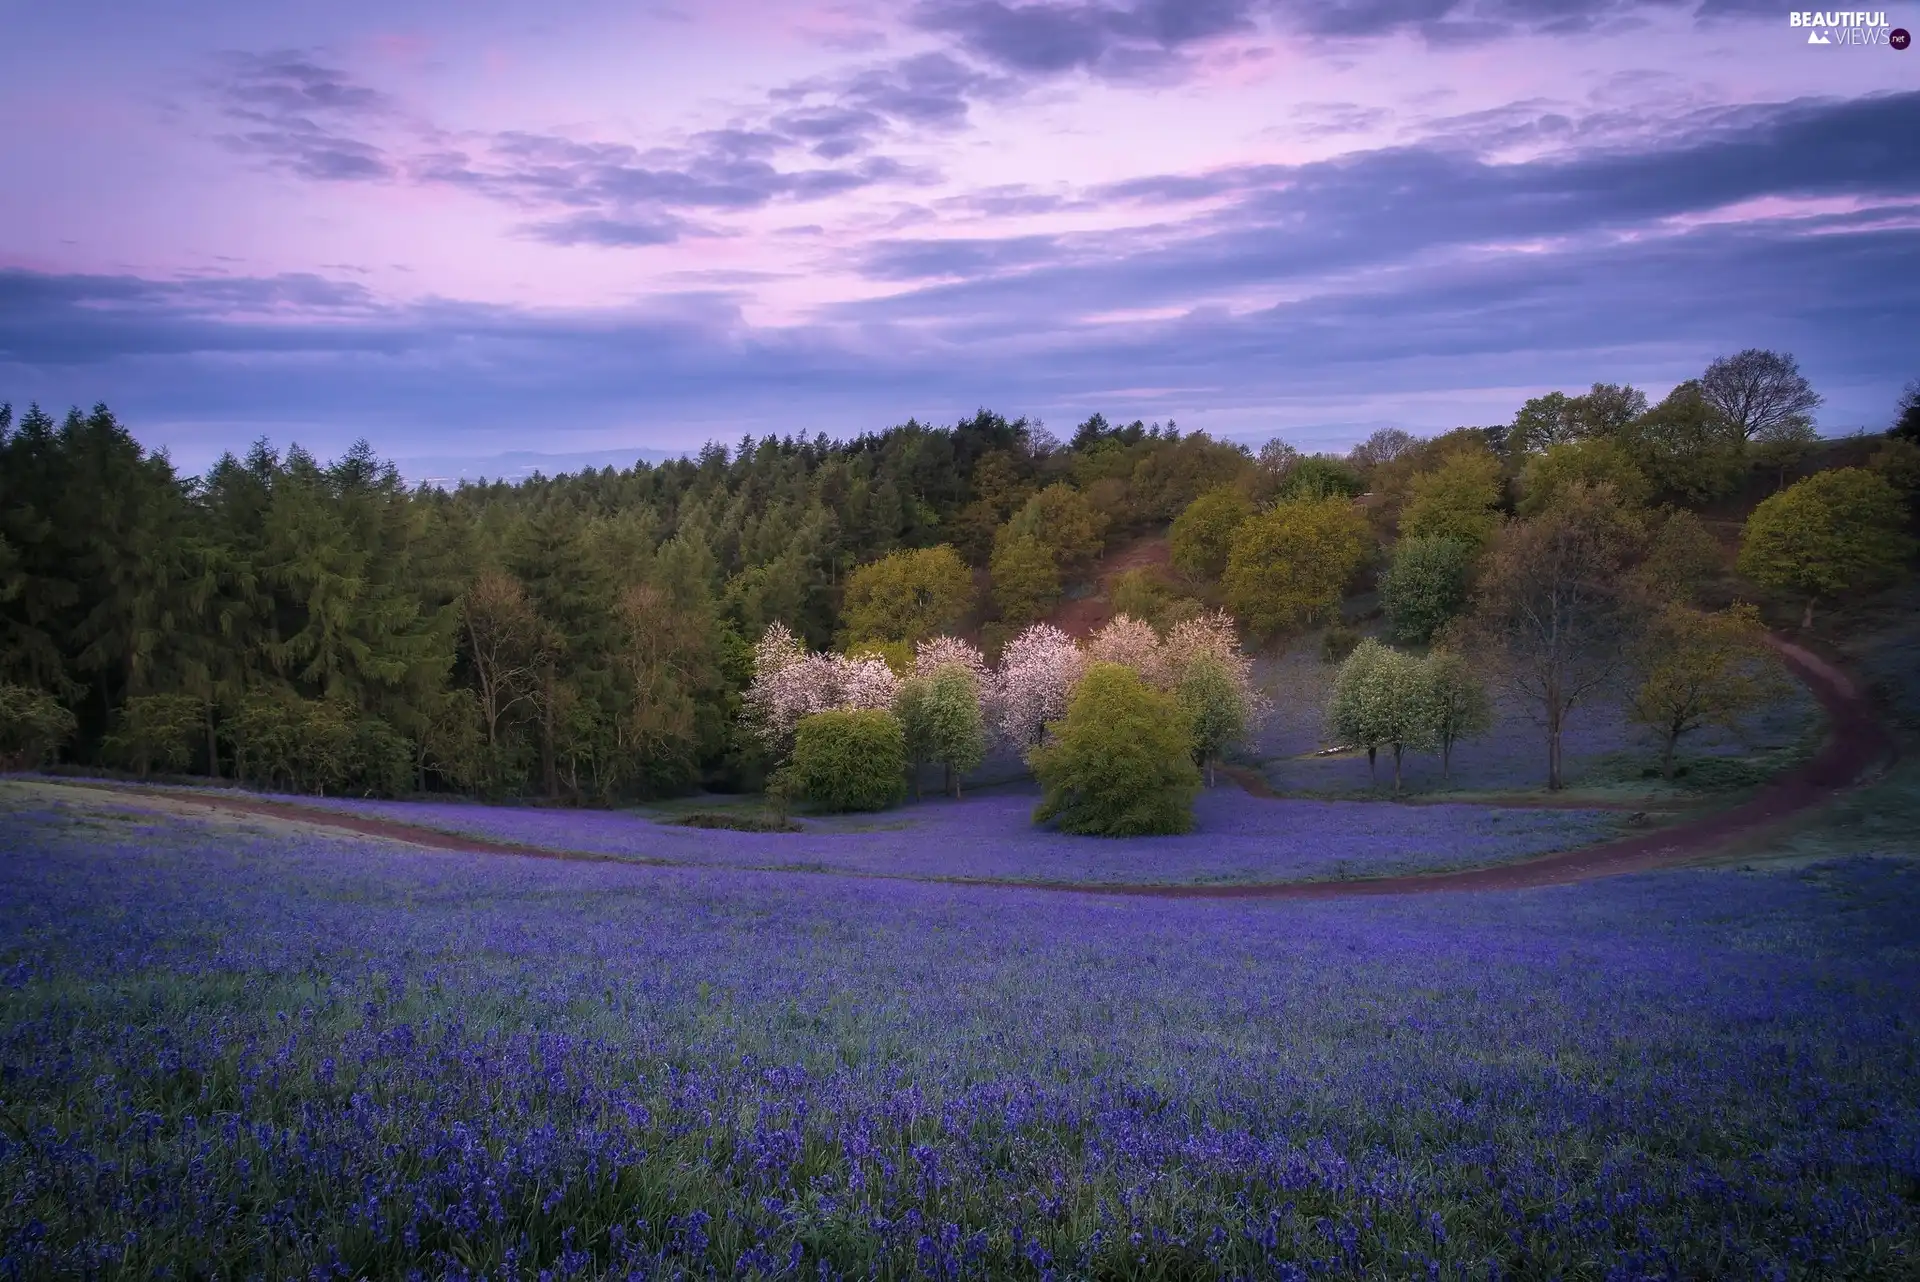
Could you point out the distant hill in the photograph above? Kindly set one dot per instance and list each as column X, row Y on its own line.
column 515, row 465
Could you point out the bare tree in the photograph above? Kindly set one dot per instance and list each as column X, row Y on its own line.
column 506, row 645
column 1759, row 392
column 1556, row 608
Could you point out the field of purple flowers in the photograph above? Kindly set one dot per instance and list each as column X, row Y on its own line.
column 1236, row 838
column 240, row 1052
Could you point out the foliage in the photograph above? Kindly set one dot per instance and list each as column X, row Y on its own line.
column 1146, row 594
column 1593, row 462
column 1202, row 535
column 1317, row 476
column 1379, row 700
column 33, row 726
column 726, row 821
column 1065, row 523
column 285, row 742
column 1906, row 420
column 1898, row 461
column 1698, row 669
column 1337, row 642
column 1215, row 707
column 1289, row 565
column 849, row 760
column 1837, row 531
column 157, row 732
column 1031, row 689
column 908, row 596
column 1133, row 644
column 1682, row 557
column 791, row 684
column 1554, row 609
column 1122, row 763
column 1454, row 704
column 1459, row 499
column 1025, row 577
column 955, row 729
column 1425, row 586
column 1685, row 447
column 1783, row 444
column 1759, row 392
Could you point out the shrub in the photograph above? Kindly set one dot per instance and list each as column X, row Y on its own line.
column 850, row 760
column 1425, row 586
column 1122, row 764
column 737, row 823
column 1337, row 642
column 157, row 732
column 33, row 725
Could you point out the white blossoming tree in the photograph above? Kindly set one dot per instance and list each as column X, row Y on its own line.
column 950, row 652
column 1131, row 643
column 790, row 684
column 1203, row 663
column 1037, row 672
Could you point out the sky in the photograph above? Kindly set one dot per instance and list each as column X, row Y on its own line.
column 467, row 230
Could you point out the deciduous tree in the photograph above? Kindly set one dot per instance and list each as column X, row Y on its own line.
column 1837, row 531
column 1554, row 610
column 1698, row 669
column 1288, row 566
column 1425, row 586
column 1757, row 391
column 908, row 596
column 1122, row 765
column 1459, row 499
column 1202, row 535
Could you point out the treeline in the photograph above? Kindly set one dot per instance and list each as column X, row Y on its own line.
column 325, row 627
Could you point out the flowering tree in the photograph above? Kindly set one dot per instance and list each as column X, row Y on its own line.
column 951, row 652
column 790, row 684
column 1212, row 637
column 1038, row 669
column 1132, row 644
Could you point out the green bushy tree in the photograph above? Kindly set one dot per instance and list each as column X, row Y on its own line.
column 1202, row 535
column 1425, row 586
column 1837, row 531
column 1122, row 762
column 157, row 732
column 849, row 760
column 33, row 726
column 1216, row 709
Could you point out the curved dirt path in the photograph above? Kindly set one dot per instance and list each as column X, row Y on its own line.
column 1856, row 742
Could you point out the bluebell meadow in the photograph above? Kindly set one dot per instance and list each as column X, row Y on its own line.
column 234, row 1050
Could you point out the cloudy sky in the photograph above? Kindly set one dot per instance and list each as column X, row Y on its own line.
column 461, row 229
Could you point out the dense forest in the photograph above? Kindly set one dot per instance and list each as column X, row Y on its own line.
column 323, row 626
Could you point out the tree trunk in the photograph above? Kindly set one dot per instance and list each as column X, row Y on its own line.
column 1553, row 745
column 549, row 769
column 1446, row 759
column 1373, row 775
column 1666, row 756
column 1396, row 769
column 1806, row 617
column 213, row 745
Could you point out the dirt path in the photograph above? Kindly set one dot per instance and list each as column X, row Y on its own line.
column 1083, row 616
column 1856, row 743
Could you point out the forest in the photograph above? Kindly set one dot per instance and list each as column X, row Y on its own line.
column 590, row 638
